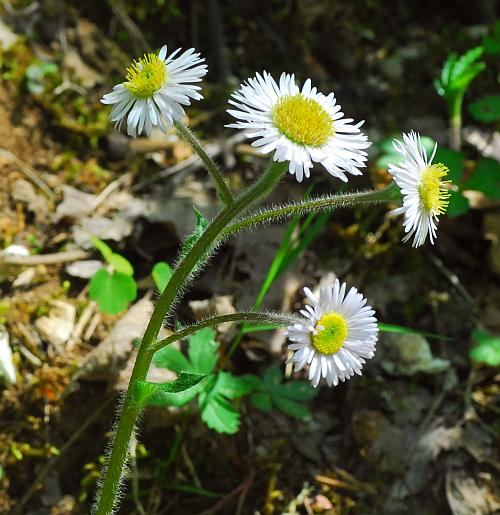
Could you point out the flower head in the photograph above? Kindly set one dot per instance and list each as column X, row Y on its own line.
column 339, row 333
column 301, row 127
column 425, row 195
column 155, row 90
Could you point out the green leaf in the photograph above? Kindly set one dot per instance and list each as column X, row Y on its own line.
column 458, row 204
column 271, row 392
column 233, row 387
column 145, row 391
column 401, row 329
column 118, row 262
column 487, row 349
column 37, row 72
column 220, row 415
column 486, row 178
column 390, row 155
column 486, row 109
column 112, row 292
column 216, row 410
column 298, row 390
column 102, row 247
column 454, row 161
column 458, row 72
column 291, row 408
column 262, row 401
column 190, row 489
column 121, row 264
column 201, row 225
column 465, row 63
column 162, row 272
column 491, row 42
column 172, row 359
column 202, row 350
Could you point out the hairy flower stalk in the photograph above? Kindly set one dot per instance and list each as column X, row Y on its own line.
column 212, row 168
column 324, row 203
column 250, row 317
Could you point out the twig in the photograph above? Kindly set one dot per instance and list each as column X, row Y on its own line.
column 220, row 504
column 32, row 358
column 92, row 326
column 192, row 162
column 45, row 259
column 190, row 466
column 138, row 39
column 244, row 492
column 27, row 171
column 109, row 189
column 18, row 510
column 80, row 326
column 452, row 277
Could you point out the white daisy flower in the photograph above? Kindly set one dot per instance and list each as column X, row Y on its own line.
column 299, row 126
column 339, row 333
column 156, row 88
column 425, row 195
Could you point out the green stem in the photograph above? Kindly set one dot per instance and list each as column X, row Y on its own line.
column 210, row 165
column 251, row 317
column 130, row 410
column 456, row 122
column 325, row 203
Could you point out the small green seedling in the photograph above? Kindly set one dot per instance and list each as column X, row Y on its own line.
column 487, row 348
column 112, row 289
column 37, row 75
column 456, row 75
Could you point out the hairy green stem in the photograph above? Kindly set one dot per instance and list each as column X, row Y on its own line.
column 210, row 165
column 325, row 203
column 250, row 317
column 130, row 411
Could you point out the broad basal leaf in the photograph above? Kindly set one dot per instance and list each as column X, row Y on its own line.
column 112, row 292
column 486, row 109
column 202, row 350
column 486, row 178
column 172, row 359
column 458, row 204
column 491, row 43
column 454, row 161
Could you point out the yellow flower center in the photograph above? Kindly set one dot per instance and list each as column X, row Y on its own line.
column 433, row 193
column 303, row 121
column 331, row 337
column 146, row 76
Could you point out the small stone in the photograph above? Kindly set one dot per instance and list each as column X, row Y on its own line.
column 58, row 325
column 7, row 369
column 409, row 354
column 84, row 269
